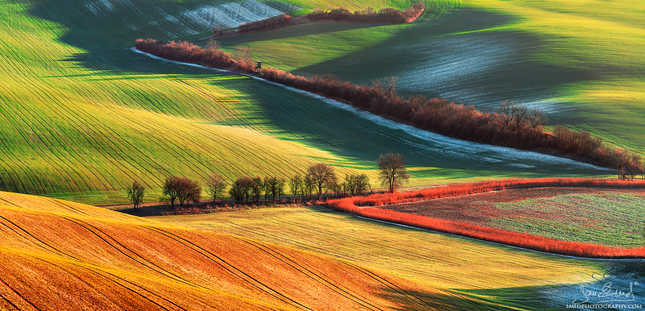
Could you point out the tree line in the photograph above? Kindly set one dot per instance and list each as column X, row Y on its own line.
column 369, row 15
column 513, row 125
column 318, row 180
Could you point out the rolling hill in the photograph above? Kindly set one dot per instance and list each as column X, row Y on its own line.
column 60, row 255
column 83, row 116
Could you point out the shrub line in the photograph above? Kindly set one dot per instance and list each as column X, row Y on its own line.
column 364, row 206
column 387, row 16
column 437, row 115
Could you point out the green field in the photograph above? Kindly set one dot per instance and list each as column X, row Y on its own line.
column 609, row 218
column 83, row 116
column 580, row 61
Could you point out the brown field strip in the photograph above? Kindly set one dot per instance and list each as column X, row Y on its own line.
column 68, row 256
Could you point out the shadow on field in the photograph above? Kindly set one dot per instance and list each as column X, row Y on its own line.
column 291, row 116
column 457, row 57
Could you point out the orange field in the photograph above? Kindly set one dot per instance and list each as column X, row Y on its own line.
column 60, row 255
column 361, row 206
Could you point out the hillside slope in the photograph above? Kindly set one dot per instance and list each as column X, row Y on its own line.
column 59, row 255
column 82, row 116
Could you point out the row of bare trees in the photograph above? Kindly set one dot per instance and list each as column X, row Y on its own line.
column 319, row 179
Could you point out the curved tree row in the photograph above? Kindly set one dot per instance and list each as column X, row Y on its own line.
column 319, row 179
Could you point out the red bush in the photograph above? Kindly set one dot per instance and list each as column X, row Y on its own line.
column 360, row 206
column 437, row 115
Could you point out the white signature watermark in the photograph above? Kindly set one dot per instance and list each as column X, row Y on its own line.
column 606, row 298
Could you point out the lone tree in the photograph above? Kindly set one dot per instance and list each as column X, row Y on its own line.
column 216, row 186
column 135, row 193
column 321, row 175
column 181, row 189
column 392, row 170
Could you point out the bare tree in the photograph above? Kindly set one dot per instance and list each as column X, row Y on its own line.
column 135, row 193
column 362, row 183
column 216, row 186
column 296, row 184
column 257, row 187
column 519, row 114
column 240, row 189
column 243, row 55
column 385, row 86
column 181, row 189
column 392, row 170
column 321, row 175
column 308, row 188
column 213, row 44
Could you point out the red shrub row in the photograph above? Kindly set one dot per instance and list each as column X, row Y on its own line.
column 356, row 205
column 384, row 16
column 437, row 115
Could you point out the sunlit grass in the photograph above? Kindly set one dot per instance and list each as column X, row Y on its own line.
column 69, row 256
column 429, row 258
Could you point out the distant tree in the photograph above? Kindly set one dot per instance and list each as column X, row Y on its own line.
column 213, row 45
column 216, row 186
column 240, row 189
column 257, row 187
column 362, row 183
column 308, row 187
column 392, row 170
column 135, row 193
column 273, row 186
column 519, row 115
column 243, row 55
column 278, row 189
column 181, row 189
column 296, row 185
column 356, row 184
column 322, row 176
column 349, row 185
column 385, row 87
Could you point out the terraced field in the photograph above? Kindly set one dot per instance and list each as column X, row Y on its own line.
column 82, row 115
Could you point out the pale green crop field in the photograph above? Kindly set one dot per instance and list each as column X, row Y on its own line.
column 83, row 116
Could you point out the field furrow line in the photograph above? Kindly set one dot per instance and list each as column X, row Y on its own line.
column 67, row 115
column 231, row 268
column 7, row 301
column 417, row 300
column 32, row 238
column 113, row 278
column 40, row 152
column 12, row 290
column 74, row 155
column 303, row 228
column 313, row 275
column 90, row 139
column 17, row 183
column 37, row 124
column 144, row 262
column 67, row 206
column 10, row 157
column 110, row 137
column 247, row 159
